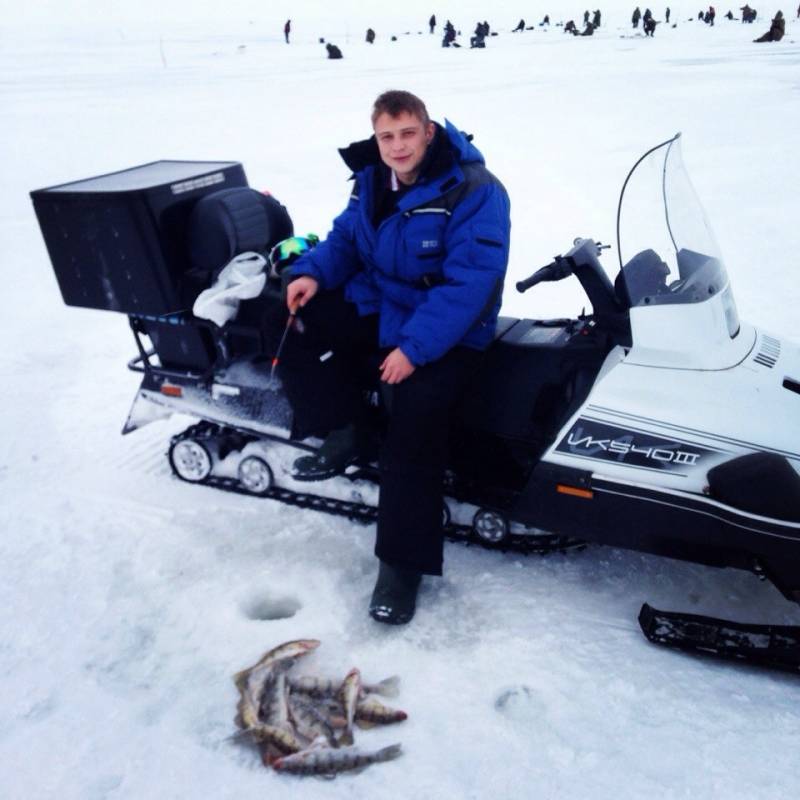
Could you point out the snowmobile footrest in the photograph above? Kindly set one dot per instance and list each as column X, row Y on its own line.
column 775, row 646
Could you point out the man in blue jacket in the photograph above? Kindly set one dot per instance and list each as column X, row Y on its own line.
column 412, row 272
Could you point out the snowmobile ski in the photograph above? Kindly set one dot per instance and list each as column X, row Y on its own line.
column 774, row 646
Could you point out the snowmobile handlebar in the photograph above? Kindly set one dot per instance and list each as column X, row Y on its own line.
column 556, row 270
column 562, row 266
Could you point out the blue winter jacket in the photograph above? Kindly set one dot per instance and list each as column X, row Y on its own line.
column 433, row 270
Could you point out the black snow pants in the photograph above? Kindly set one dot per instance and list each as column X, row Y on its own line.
column 324, row 370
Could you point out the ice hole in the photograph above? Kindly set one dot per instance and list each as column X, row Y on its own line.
column 271, row 607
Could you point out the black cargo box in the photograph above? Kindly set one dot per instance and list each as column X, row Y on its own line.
column 118, row 241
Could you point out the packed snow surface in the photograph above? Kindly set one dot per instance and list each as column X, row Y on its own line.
column 128, row 598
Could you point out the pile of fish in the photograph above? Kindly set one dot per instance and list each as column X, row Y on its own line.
column 304, row 724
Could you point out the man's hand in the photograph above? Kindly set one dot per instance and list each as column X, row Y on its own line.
column 300, row 291
column 396, row 367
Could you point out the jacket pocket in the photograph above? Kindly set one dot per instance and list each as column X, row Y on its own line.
column 487, row 246
column 423, row 246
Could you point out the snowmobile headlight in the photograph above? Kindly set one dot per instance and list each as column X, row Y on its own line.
column 286, row 252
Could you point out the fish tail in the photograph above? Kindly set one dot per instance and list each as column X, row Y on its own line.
column 389, row 753
column 388, row 687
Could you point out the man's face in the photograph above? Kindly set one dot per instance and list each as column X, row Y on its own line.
column 402, row 142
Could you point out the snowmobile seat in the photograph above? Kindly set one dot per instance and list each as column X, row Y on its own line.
column 530, row 377
column 504, row 324
column 232, row 221
column 534, row 375
column 222, row 225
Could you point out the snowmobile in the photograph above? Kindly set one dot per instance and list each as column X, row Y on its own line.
column 659, row 421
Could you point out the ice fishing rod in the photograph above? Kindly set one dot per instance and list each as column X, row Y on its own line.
column 277, row 357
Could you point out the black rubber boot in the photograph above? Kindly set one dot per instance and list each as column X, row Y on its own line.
column 338, row 451
column 394, row 598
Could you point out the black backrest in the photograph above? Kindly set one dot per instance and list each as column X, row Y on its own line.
column 232, row 221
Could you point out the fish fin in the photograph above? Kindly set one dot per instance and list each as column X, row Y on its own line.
column 319, row 743
column 346, row 738
column 240, row 678
column 236, row 736
column 269, row 754
column 388, row 687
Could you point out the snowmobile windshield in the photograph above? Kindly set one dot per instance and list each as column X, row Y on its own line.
column 667, row 251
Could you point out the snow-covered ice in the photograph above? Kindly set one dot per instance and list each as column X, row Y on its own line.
column 128, row 599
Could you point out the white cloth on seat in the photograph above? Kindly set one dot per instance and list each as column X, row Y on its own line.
column 242, row 278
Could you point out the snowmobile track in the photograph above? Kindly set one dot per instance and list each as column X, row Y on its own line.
column 539, row 544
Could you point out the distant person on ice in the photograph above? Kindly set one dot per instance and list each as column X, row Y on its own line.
column 432, row 22
column 596, row 19
column 287, row 29
column 520, row 26
column 370, row 36
column 637, row 15
column 776, row 30
column 649, row 27
column 409, row 279
column 333, row 51
column 479, row 37
column 666, row 15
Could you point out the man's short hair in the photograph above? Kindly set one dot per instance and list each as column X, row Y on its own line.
column 396, row 102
